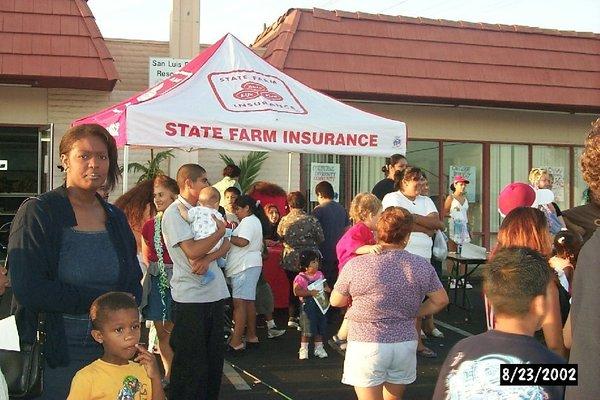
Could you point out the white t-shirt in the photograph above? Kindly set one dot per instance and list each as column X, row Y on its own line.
column 187, row 287
column 419, row 243
column 242, row 258
column 203, row 224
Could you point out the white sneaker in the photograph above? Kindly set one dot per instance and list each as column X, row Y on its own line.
column 437, row 333
column 423, row 335
column 274, row 332
column 320, row 352
column 303, row 353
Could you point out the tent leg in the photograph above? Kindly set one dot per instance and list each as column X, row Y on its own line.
column 125, row 168
column 289, row 187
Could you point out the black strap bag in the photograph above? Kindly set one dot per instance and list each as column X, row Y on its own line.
column 24, row 370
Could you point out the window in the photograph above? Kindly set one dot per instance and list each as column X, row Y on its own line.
column 508, row 163
column 557, row 161
column 366, row 172
column 466, row 159
column 579, row 185
column 426, row 155
column 19, row 174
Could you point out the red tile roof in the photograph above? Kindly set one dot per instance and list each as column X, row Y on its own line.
column 53, row 43
column 383, row 57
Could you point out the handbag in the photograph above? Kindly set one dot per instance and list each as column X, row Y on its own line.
column 440, row 246
column 24, row 369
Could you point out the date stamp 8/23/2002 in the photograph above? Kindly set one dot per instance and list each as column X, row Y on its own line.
column 538, row 374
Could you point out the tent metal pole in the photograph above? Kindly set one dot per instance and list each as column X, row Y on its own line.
column 289, row 188
column 125, row 168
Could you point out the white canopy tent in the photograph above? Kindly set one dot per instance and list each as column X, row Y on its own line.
column 230, row 98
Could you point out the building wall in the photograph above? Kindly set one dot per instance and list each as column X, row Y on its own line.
column 23, row 106
column 485, row 124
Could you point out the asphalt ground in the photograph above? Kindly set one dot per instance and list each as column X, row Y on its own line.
column 273, row 371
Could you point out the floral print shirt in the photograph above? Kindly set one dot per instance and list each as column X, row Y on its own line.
column 299, row 232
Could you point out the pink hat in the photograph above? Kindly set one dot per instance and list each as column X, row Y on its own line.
column 518, row 194
column 460, row 178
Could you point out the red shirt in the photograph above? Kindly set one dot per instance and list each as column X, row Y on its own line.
column 148, row 235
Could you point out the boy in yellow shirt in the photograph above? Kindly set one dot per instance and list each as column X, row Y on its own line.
column 116, row 325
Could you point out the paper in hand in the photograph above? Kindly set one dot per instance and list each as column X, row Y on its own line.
column 321, row 299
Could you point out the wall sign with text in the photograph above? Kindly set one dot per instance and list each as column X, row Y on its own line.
column 329, row 172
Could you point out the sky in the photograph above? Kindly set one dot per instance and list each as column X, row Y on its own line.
column 149, row 19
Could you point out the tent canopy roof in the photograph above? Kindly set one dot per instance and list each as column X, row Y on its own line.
column 229, row 98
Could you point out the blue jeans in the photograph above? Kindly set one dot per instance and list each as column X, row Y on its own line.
column 318, row 320
column 82, row 349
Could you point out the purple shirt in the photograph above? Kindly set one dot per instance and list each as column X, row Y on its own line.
column 387, row 290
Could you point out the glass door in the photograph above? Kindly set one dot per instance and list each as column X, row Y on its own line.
column 46, row 159
column 508, row 163
column 557, row 161
column 19, row 155
column 26, row 160
column 466, row 159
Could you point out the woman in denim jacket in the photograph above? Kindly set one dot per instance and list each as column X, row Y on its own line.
column 66, row 248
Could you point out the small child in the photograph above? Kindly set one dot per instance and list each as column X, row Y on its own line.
column 116, row 325
column 231, row 194
column 312, row 321
column 359, row 239
column 565, row 252
column 202, row 223
column 516, row 281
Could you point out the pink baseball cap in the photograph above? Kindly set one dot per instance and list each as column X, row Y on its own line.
column 460, row 178
column 518, row 194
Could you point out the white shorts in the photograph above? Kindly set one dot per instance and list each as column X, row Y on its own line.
column 243, row 284
column 371, row 364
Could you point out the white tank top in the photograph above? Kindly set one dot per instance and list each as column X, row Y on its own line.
column 458, row 212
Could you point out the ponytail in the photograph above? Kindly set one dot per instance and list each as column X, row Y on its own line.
column 392, row 160
column 256, row 209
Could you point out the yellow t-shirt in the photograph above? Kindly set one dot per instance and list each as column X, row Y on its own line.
column 101, row 380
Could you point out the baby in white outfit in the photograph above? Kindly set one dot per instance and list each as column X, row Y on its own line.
column 202, row 223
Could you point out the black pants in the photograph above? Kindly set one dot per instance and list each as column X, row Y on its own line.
column 197, row 341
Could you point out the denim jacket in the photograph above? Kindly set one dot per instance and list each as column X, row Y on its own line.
column 33, row 256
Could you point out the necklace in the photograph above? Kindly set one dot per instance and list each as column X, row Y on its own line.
column 163, row 280
column 413, row 201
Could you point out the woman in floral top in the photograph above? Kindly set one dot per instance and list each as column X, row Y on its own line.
column 299, row 231
column 387, row 293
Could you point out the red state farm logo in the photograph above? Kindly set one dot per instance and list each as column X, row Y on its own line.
column 250, row 91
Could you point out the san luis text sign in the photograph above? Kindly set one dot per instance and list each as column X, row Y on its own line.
column 160, row 68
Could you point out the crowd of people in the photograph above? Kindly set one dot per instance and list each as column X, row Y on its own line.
column 176, row 251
